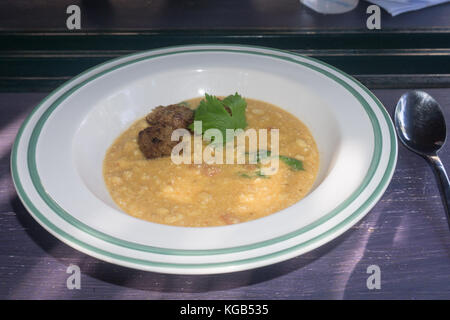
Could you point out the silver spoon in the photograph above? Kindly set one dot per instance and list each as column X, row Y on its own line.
column 420, row 126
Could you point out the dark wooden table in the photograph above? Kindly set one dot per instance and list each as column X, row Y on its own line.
column 405, row 234
column 37, row 52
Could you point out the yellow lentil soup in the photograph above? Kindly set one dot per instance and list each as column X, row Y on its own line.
column 191, row 195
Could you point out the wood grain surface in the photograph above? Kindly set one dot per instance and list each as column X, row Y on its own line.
column 38, row 52
column 405, row 234
column 113, row 15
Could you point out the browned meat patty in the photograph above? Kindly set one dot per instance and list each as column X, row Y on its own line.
column 174, row 115
column 154, row 141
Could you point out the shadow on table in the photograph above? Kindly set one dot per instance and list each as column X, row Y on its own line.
column 406, row 213
column 409, row 235
column 156, row 282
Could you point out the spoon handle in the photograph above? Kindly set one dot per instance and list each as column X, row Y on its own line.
column 444, row 184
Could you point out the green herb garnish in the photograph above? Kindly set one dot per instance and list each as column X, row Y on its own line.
column 213, row 114
column 261, row 175
column 244, row 175
column 184, row 103
column 258, row 155
column 294, row 164
column 254, row 174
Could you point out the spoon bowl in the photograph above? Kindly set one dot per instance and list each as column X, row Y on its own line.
column 420, row 123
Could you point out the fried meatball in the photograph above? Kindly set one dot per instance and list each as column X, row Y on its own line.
column 175, row 116
column 155, row 141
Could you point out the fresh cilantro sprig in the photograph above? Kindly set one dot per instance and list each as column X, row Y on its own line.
column 213, row 114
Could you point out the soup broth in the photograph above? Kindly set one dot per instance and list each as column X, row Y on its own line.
column 203, row 195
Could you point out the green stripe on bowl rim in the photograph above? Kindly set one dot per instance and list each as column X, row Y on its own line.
column 71, row 220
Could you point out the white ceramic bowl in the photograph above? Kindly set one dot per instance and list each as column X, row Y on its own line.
column 58, row 154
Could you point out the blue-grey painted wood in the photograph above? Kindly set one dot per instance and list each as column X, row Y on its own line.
column 405, row 234
column 107, row 16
